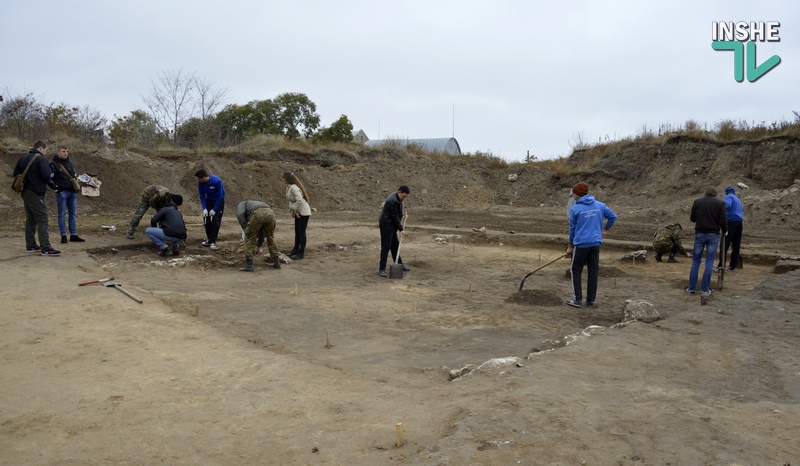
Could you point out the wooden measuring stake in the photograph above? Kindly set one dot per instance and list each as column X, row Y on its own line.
column 295, row 289
column 470, row 287
column 327, row 338
column 414, row 306
column 196, row 309
column 399, row 434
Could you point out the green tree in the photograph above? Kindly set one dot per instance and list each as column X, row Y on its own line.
column 237, row 122
column 340, row 131
column 138, row 128
column 296, row 112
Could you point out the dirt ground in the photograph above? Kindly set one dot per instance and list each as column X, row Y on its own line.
column 318, row 363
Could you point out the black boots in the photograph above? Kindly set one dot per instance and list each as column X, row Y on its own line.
column 672, row 259
column 276, row 263
column 248, row 267
column 658, row 257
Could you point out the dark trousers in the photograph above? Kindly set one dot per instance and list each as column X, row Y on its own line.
column 589, row 257
column 300, row 225
column 734, row 240
column 389, row 241
column 212, row 224
column 35, row 220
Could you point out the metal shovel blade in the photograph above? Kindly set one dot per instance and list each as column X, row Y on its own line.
column 120, row 288
column 396, row 271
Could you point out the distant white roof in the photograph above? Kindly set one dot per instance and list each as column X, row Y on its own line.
column 437, row 145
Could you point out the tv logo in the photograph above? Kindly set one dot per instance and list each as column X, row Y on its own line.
column 734, row 36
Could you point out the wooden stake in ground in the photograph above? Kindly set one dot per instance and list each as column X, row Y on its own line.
column 295, row 289
column 399, row 434
column 414, row 306
column 470, row 287
column 327, row 338
column 196, row 309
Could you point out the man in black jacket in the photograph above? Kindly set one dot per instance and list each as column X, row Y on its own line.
column 708, row 215
column 66, row 196
column 390, row 222
column 172, row 229
column 37, row 179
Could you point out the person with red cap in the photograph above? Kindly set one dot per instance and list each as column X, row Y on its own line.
column 586, row 232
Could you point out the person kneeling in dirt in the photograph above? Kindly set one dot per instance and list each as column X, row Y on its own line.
column 258, row 222
column 167, row 226
column 668, row 240
column 154, row 196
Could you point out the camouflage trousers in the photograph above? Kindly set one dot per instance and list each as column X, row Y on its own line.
column 261, row 222
column 137, row 216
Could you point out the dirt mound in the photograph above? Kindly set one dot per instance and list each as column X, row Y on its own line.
column 535, row 298
column 648, row 185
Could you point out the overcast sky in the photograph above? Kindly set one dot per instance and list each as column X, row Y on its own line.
column 505, row 77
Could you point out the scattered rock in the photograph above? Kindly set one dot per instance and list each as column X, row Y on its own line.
column 742, row 185
column 640, row 255
column 641, row 310
column 513, row 177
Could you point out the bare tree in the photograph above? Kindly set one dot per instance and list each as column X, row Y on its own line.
column 209, row 97
column 579, row 141
column 170, row 101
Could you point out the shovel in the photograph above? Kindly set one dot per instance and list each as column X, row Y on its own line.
column 724, row 255
column 396, row 270
column 562, row 256
column 120, row 288
column 102, row 280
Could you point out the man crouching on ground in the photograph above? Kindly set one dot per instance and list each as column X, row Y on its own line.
column 258, row 222
column 172, row 229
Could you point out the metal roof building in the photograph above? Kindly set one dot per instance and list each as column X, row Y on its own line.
column 437, row 145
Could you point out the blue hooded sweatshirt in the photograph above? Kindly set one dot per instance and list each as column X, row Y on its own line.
column 733, row 206
column 586, row 222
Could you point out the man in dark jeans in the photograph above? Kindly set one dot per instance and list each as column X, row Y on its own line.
column 212, row 200
column 390, row 222
column 708, row 215
column 735, row 215
column 37, row 179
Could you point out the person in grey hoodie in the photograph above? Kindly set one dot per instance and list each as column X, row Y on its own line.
column 167, row 226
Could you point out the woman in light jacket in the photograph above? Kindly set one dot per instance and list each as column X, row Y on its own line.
column 300, row 210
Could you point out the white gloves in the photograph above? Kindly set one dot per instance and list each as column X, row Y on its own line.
column 205, row 212
column 211, row 213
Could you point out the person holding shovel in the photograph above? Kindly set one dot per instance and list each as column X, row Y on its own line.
column 586, row 232
column 212, row 200
column 735, row 215
column 258, row 222
column 390, row 223
column 708, row 215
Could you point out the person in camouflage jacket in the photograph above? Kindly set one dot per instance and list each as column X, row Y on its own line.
column 154, row 196
column 668, row 240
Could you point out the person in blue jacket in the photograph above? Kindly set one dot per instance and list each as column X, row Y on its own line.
column 586, row 232
column 212, row 199
column 735, row 214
